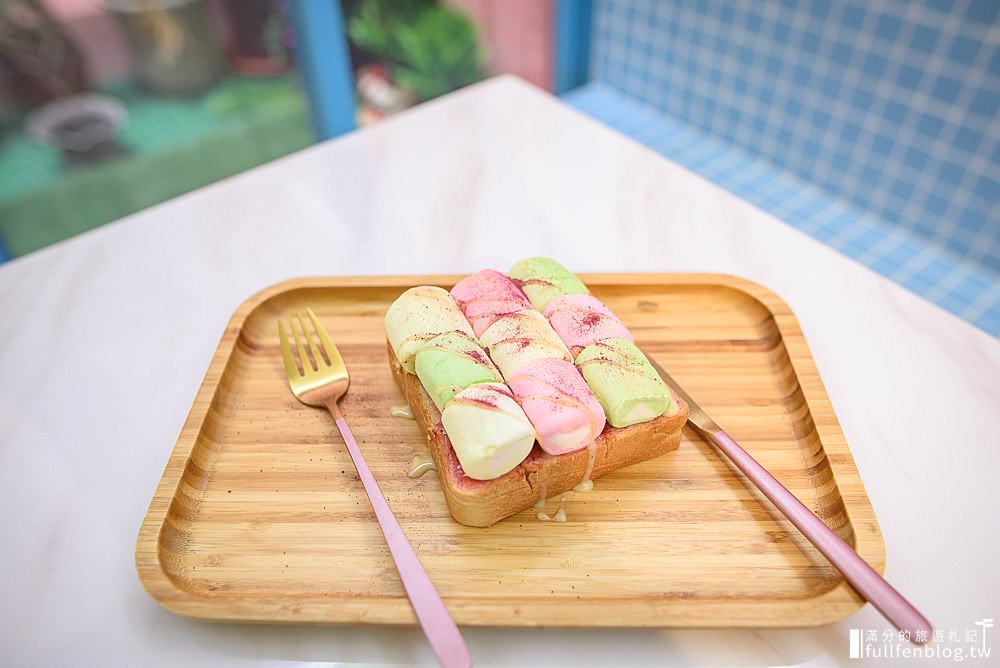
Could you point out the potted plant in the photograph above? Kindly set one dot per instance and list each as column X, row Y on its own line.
column 84, row 127
column 42, row 61
column 47, row 73
column 411, row 51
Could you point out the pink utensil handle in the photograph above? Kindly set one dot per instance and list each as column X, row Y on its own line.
column 856, row 570
column 440, row 629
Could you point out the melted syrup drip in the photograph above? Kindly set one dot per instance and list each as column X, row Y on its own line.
column 586, row 484
column 419, row 465
column 560, row 516
column 401, row 411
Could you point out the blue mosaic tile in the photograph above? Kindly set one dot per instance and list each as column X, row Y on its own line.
column 969, row 290
column 891, row 110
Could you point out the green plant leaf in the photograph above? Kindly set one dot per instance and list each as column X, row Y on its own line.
column 432, row 49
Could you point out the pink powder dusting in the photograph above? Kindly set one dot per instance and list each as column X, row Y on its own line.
column 558, row 402
column 581, row 320
column 487, row 295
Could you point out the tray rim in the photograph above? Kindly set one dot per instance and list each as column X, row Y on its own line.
column 827, row 607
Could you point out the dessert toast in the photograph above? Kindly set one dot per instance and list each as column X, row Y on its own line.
column 481, row 503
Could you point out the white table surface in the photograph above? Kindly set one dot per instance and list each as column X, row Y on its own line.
column 95, row 384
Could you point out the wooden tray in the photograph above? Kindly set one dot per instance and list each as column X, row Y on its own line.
column 260, row 516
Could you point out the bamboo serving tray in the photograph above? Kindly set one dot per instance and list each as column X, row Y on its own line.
column 260, row 515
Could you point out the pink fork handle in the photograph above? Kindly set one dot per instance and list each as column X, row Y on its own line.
column 856, row 570
column 438, row 626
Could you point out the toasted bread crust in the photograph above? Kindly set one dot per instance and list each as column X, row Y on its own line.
column 480, row 503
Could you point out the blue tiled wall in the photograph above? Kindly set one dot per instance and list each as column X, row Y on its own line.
column 890, row 106
column 967, row 289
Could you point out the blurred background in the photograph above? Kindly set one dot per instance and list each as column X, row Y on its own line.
column 872, row 125
column 111, row 106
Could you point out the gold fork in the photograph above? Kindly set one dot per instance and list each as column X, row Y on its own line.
column 320, row 378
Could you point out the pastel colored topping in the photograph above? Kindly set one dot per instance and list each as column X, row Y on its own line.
column 520, row 338
column 624, row 381
column 487, row 295
column 542, row 279
column 451, row 362
column 581, row 320
column 563, row 410
column 417, row 316
column 488, row 430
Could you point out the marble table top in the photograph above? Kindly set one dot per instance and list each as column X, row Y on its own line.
column 95, row 383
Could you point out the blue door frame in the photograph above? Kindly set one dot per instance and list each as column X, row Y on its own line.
column 324, row 65
column 572, row 44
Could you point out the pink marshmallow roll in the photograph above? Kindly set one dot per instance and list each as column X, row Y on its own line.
column 560, row 405
column 581, row 320
column 487, row 295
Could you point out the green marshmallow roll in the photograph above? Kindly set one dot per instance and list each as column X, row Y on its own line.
column 626, row 384
column 451, row 362
column 417, row 316
column 543, row 279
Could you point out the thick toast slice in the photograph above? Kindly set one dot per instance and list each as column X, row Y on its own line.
column 480, row 503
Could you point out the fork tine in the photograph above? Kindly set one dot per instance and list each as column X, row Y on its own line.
column 286, row 351
column 327, row 346
column 307, row 358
